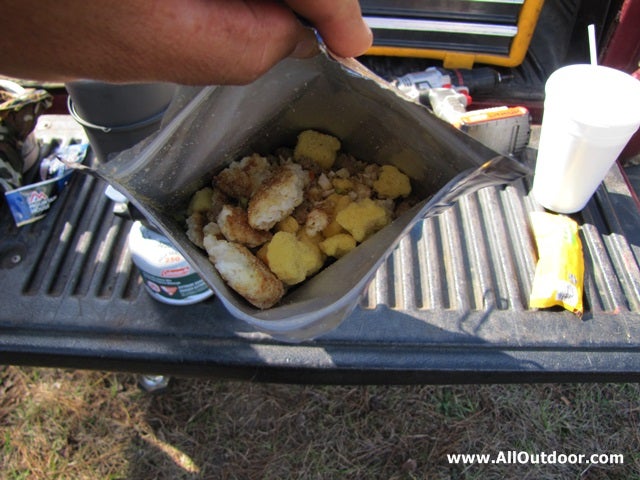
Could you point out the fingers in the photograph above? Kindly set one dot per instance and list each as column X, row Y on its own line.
column 339, row 22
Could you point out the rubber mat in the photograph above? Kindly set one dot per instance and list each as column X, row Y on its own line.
column 450, row 305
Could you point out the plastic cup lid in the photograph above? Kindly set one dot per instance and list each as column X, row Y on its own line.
column 596, row 96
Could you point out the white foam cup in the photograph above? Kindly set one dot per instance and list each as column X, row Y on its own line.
column 590, row 114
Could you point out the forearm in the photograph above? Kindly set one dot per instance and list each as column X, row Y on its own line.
column 182, row 41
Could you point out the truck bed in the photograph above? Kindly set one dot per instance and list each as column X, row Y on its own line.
column 449, row 306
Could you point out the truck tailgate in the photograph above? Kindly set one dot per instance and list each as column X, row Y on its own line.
column 449, row 306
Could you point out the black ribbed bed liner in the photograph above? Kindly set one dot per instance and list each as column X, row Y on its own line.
column 450, row 305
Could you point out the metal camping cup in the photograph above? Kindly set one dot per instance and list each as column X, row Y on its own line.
column 117, row 116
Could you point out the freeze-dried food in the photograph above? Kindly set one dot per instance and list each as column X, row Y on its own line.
column 280, row 218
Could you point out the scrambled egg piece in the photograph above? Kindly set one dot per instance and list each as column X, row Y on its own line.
column 334, row 203
column 316, row 146
column 362, row 218
column 342, row 185
column 201, row 201
column 288, row 224
column 338, row 245
column 392, row 183
column 332, row 229
column 208, row 201
column 313, row 240
column 292, row 260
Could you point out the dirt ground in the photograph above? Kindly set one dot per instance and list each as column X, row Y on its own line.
column 62, row 424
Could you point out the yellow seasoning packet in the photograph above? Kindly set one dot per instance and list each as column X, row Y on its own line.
column 559, row 274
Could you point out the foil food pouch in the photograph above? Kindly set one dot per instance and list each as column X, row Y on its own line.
column 208, row 128
column 559, row 274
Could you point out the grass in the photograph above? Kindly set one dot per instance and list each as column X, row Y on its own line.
column 62, row 424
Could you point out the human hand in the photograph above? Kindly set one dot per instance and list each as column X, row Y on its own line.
column 181, row 41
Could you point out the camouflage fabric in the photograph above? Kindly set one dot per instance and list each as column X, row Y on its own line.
column 19, row 111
